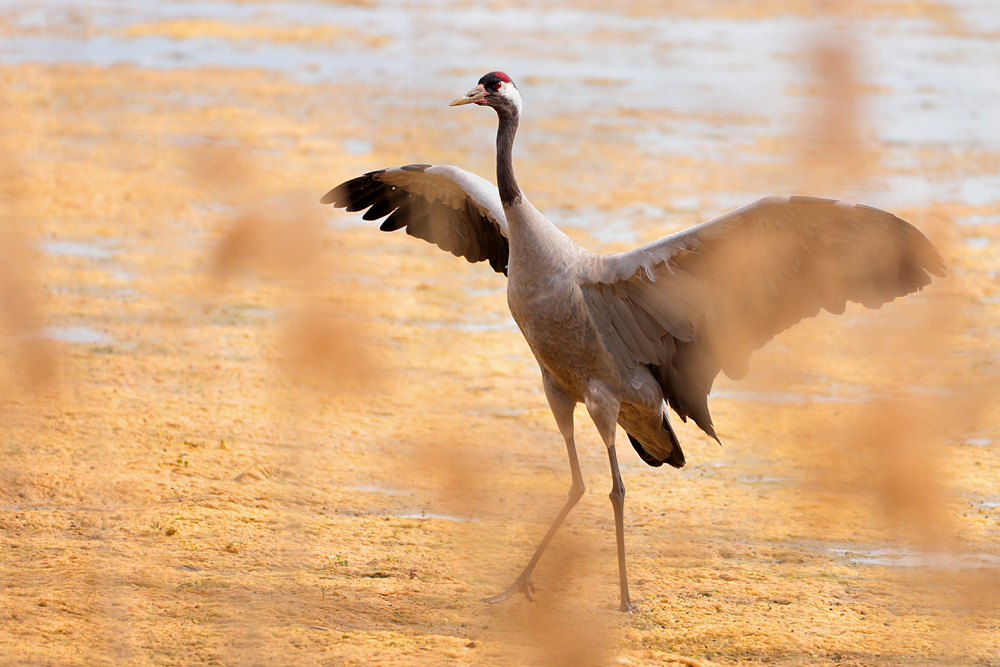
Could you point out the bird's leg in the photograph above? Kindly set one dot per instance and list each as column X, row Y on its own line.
column 603, row 407
column 562, row 409
column 617, row 496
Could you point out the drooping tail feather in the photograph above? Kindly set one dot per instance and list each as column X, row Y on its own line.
column 643, row 454
column 676, row 458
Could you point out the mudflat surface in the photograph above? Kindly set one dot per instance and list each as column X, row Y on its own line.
column 237, row 427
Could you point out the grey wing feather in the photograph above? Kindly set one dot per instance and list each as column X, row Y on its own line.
column 444, row 205
column 707, row 297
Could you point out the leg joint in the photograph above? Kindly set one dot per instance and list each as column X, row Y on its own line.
column 617, row 493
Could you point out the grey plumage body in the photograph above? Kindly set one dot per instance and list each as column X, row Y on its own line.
column 628, row 334
column 547, row 279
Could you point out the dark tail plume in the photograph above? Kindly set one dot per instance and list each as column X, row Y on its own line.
column 676, row 458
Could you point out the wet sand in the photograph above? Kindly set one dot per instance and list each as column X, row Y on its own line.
column 222, row 446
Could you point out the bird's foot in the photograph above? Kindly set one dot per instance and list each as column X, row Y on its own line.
column 521, row 585
column 626, row 606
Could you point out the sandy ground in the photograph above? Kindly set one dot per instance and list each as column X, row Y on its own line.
column 283, row 439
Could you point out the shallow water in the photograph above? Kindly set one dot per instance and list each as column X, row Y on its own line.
column 979, row 220
column 926, row 77
column 78, row 335
column 904, row 558
column 76, row 249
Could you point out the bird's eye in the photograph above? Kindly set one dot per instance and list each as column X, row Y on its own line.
column 497, row 85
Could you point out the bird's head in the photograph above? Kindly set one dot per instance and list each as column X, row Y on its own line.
column 494, row 90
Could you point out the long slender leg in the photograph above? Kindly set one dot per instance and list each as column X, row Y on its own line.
column 562, row 409
column 603, row 406
column 617, row 496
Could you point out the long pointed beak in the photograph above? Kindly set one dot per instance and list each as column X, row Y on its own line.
column 475, row 95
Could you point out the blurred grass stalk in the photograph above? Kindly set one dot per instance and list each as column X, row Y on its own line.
column 28, row 358
column 895, row 449
column 281, row 236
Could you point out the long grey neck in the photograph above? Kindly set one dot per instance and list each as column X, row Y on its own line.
column 510, row 192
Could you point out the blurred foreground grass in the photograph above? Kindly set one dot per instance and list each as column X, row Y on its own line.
column 190, row 488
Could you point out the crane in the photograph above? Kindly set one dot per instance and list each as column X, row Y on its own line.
column 627, row 334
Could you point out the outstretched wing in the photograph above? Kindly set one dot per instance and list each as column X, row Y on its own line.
column 447, row 206
column 702, row 300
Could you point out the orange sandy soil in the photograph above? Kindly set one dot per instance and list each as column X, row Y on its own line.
column 238, row 476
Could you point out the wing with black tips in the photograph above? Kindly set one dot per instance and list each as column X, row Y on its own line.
column 447, row 206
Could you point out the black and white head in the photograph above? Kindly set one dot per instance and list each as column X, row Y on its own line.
column 494, row 90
